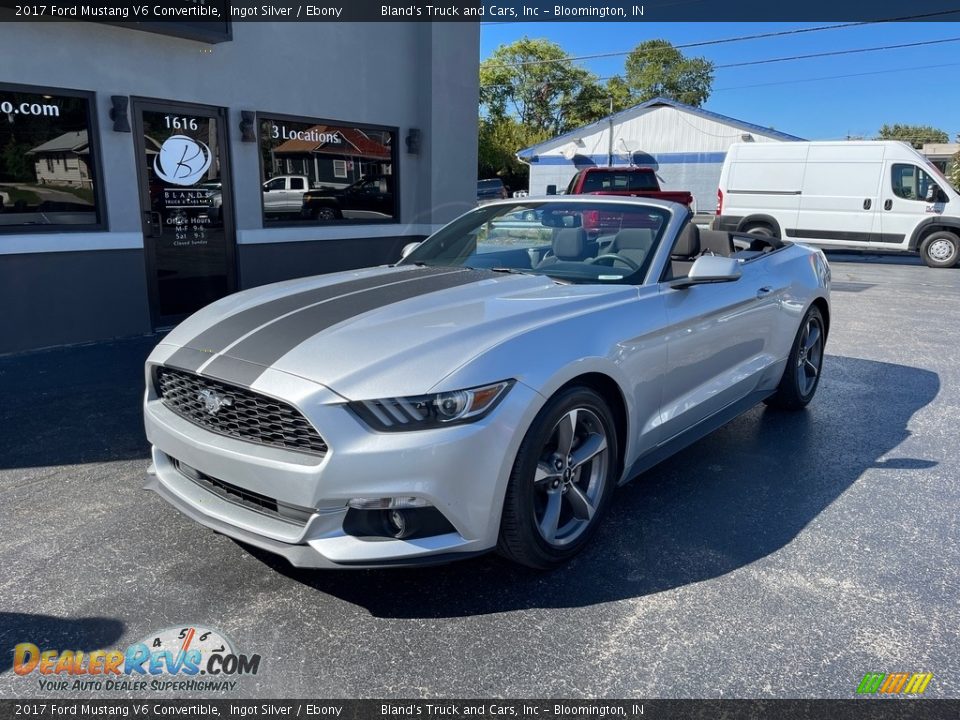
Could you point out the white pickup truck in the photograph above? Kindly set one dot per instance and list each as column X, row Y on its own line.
column 283, row 194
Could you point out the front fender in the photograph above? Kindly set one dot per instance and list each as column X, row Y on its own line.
column 626, row 343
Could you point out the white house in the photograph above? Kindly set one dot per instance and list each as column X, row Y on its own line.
column 64, row 160
column 685, row 145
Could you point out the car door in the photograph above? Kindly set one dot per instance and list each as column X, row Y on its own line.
column 905, row 201
column 273, row 195
column 839, row 202
column 293, row 195
column 719, row 343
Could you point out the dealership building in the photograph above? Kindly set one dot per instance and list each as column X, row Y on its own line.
column 146, row 171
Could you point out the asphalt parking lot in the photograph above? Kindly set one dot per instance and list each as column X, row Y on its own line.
column 783, row 556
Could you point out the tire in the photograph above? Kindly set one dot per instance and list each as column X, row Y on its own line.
column 761, row 229
column 552, row 506
column 801, row 377
column 940, row 249
column 324, row 212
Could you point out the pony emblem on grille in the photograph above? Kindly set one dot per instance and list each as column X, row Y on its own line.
column 213, row 401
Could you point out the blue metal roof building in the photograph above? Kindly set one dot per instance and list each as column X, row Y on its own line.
column 686, row 145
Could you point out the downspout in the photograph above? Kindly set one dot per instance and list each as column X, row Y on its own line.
column 529, row 168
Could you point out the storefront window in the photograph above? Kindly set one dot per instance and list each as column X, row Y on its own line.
column 48, row 160
column 319, row 172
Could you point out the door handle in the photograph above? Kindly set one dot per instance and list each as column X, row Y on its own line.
column 887, row 204
column 764, row 291
column 867, row 204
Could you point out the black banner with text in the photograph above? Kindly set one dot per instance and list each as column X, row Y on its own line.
column 863, row 709
column 225, row 11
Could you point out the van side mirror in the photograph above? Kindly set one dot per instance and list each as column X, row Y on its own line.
column 551, row 189
column 935, row 194
column 709, row 269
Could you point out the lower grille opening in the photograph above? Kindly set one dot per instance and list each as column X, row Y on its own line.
column 246, row 498
column 407, row 524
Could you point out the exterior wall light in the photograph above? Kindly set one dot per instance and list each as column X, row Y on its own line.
column 118, row 113
column 248, row 129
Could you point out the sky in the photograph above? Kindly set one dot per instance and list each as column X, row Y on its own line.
column 915, row 85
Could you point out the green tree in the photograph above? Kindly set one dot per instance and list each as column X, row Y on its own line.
column 598, row 101
column 15, row 164
column 916, row 135
column 953, row 171
column 655, row 68
column 500, row 139
column 534, row 82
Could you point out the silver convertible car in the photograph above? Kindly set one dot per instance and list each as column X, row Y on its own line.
column 489, row 391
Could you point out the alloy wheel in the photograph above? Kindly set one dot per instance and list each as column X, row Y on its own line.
column 810, row 356
column 571, row 477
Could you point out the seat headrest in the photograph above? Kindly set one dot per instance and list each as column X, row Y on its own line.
column 633, row 239
column 570, row 244
column 716, row 242
column 688, row 243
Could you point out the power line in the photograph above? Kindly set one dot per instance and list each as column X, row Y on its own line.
column 722, row 41
column 768, row 61
column 833, row 53
column 835, row 77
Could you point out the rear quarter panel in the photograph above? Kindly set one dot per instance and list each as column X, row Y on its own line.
column 801, row 275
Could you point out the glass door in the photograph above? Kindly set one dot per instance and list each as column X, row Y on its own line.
column 187, row 206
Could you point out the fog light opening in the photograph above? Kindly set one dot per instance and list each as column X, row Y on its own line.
column 397, row 524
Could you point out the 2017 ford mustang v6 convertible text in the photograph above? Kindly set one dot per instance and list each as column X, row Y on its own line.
column 489, row 391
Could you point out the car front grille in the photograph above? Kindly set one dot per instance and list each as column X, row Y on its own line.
column 237, row 412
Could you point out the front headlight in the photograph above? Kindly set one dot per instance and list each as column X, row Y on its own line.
column 420, row 412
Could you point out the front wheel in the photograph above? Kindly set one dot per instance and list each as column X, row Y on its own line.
column 940, row 250
column 561, row 482
column 802, row 374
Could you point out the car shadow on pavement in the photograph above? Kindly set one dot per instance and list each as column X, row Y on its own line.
column 74, row 405
column 734, row 497
column 54, row 633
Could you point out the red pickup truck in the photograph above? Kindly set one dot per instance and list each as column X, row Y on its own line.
column 626, row 181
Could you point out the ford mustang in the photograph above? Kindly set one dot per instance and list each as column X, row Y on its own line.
column 489, row 391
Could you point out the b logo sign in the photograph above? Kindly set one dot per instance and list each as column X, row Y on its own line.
column 182, row 160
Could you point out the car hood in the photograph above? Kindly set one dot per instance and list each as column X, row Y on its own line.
column 375, row 333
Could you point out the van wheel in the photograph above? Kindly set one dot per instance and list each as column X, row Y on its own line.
column 940, row 249
column 761, row 229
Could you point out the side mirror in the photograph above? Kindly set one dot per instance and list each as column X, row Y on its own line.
column 408, row 248
column 266, row 188
column 551, row 189
column 709, row 269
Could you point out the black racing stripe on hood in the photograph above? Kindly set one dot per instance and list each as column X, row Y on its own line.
column 263, row 348
column 220, row 336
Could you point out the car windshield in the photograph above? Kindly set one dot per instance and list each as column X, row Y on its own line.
column 575, row 241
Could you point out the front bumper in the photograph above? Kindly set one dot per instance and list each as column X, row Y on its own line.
column 461, row 471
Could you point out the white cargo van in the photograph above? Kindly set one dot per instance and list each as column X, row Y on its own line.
column 869, row 194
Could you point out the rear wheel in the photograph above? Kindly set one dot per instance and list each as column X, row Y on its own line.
column 561, row 481
column 940, row 249
column 802, row 374
column 324, row 213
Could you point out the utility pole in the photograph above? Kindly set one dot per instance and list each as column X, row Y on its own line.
column 610, row 144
